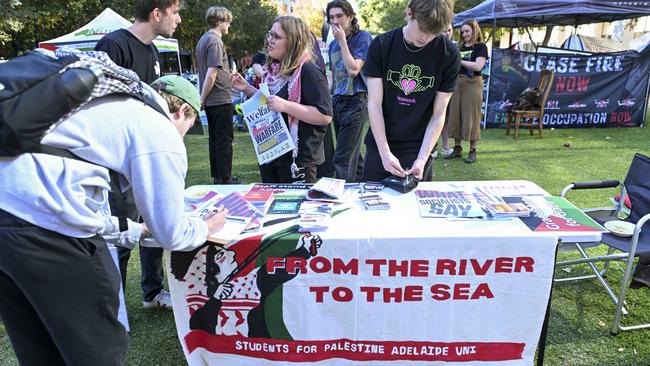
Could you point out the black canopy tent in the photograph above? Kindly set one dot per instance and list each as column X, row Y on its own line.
column 525, row 13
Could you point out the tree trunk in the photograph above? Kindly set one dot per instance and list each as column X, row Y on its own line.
column 547, row 36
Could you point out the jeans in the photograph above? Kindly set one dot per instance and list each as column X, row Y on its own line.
column 220, row 136
column 350, row 114
column 59, row 297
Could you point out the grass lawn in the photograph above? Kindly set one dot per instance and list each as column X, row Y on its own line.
column 580, row 314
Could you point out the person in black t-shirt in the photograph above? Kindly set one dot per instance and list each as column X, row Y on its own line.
column 465, row 104
column 411, row 73
column 257, row 64
column 299, row 91
column 133, row 48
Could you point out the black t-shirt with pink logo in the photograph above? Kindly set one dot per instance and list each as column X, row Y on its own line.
column 411, row 77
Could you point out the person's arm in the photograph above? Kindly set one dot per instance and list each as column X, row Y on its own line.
column 208, row 83
column 315, row 105
column 352, row 66
column 238, row 82
column 305, row 113
column 127, row 239
column 431, row 133
column 377, row 125
column 475, row 66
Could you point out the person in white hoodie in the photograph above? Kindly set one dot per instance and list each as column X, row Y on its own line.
column 58, row 283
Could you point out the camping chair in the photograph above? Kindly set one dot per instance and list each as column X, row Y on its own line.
column 515, row 115
column 620, row 249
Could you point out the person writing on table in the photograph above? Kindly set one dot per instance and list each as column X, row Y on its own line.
column 299, row 91
column 411, row 73
column 59, row 285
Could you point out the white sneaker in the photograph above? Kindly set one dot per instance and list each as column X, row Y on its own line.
column 162, row 301
column 434, row 154
column 447, row 152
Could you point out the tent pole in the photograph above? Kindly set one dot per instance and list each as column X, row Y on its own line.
column 487, row 91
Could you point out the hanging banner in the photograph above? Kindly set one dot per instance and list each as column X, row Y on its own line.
column 295, row 298
column 599, row 90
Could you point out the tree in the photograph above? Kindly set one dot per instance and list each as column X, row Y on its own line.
column 251, row 20
column 379, row 16
column 311, row 13
column 25, row 23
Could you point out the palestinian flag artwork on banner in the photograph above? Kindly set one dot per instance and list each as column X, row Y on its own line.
column 557, row 214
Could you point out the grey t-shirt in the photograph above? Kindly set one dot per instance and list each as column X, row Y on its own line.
column 210, row 52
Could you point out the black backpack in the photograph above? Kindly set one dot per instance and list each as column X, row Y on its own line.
column 530, row 98
column 40, row 89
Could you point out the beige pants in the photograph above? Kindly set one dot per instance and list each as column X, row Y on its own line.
column 465, row 109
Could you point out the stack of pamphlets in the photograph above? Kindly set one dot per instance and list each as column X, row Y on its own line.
column 327, row 189
column 373, row 202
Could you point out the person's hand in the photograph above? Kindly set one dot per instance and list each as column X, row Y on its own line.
column 391, row 164
column 338, row 33
column 217, row 220
column 238, row 82
column 277, row 104
column 223, row 291
column 145, row 231
column 417, row 169
column 311, row 243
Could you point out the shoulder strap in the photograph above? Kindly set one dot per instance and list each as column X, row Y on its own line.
column 119, row 198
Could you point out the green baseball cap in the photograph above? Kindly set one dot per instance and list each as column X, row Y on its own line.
column 176, row 85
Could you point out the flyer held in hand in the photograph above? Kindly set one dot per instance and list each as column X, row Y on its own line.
column 269, row 132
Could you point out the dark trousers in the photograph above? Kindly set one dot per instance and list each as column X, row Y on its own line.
column 350, row 114
column 59, row 297
column 326, row 169
column 373, row 170
column 220, row 136
column 282, row 174
column 151, row 270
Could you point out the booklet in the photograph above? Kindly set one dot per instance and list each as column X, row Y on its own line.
column 507, row 207
column 449, row 204
column 314, row 221
column 328, row 190
column 240, row 214
column 285, row 206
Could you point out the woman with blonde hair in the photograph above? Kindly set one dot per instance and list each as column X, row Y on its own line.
column 465, row 104
column 299, row 91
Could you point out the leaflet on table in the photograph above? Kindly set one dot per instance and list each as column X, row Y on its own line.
column 206, row 204
column 507, row 207
column 327, row 189
column 268, row 130
column 557, row 214
column 373, row 202
column 234, row 226
column 448, row 204
column 313, row 221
